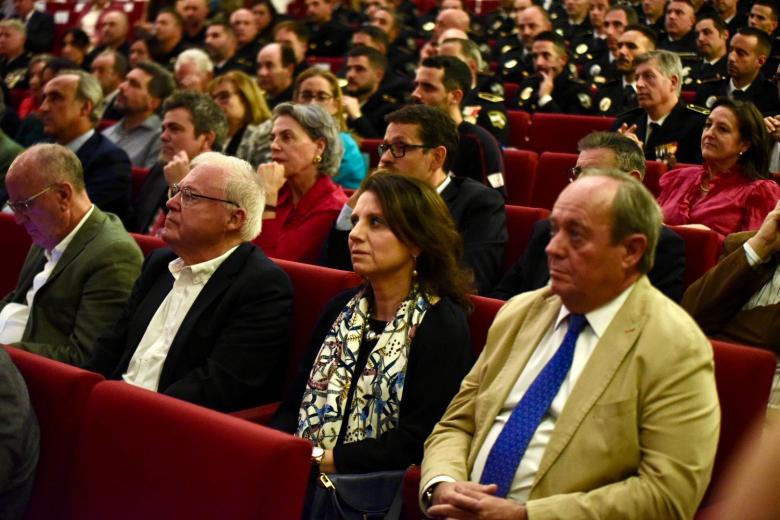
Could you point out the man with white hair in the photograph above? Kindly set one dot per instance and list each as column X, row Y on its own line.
column 193, row 70
column 209, row 319
column 13, row 59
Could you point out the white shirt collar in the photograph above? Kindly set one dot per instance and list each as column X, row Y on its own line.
column 56, row 253
column 446, row 182
column 599, row 319
column 202, row 271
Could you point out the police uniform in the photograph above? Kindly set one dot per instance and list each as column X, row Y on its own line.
column 371, row 124
column 402, row 55
column 330, row 39
column 705, row 72
column 569, row 96
column 486, row 109
column 247, row 53
column 686, row 44
column 613, row 98
column 568, row 30
column 761, row 92
column 235, row 62
column 168, row 59
column 478, row 156
column 678, row 136
column 515, row 65
column 284, row 96
column 14, row 72
column 659, row 26
column 588, row 48
column 499, row 24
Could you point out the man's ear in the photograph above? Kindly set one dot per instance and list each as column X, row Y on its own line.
column 208, row 141
column 457, row 96
column 439, row 157
column 236, row 219
column 635, row 246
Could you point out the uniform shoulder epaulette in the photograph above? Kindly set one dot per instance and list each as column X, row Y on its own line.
column 578, row 80
column 686, row 54
column 697, row 108
column 490, row 97
column 390, row 99
column 713, row 79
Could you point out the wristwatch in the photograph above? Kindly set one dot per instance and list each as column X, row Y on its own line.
column 427, row 497
column 317, row 454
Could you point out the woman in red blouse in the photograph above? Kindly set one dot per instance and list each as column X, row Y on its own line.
column 302, row 201
column 732, row 190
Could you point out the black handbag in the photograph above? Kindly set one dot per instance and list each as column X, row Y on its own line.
column 360, row 496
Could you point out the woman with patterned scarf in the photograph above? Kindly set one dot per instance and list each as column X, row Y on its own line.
column 387, row 357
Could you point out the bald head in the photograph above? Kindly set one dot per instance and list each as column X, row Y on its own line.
column 451, row 19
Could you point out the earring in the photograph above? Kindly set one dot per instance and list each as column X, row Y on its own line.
column 317, row 159
column 414, row 269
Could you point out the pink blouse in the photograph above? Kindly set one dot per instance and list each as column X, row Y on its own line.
column 299, row 232
column 733, row 202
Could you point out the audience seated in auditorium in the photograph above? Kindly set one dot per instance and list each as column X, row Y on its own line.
column 208, row 320
column 112, row 34
column 303, row 201
column 19, row 441
column 739, row 299
column 245, row 28
column 666, row 127
column 365, row 104
column 405, row 320
column 194, row 14
column 442, row 82
column 192, row 124
column 248, row 117
column 70, row 110
column 421, row 142
column 275, row 73
column 39, row 26
column 732, row 190
column 329, row 36
column 599, row 150
column 321, row 87
column 78, row 274
column 109, row 68
column 140, row 96
column 193, row 70
column 168, row 40
column 621, row 420
column 221, row 44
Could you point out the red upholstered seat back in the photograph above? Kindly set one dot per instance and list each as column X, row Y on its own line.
column 519, row 128
column 702, row 248
column 147, row 243
column 58, row 393
column 16, row 242
column 519, row 224
column 480, row 319
column 139, row 175
column 313, row 286
column 552, row 176
column 561, row 132
column 146, row 455
column 519, row 175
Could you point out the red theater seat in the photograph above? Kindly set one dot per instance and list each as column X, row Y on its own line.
column 146, row 455
column 653, row 172
column 519, row 174
column 519, row 128
column 561, row 132
column 58, row 393
column 148, row 243
column 138, row 177
column 702, row 248
column 16, row 242
column 552, row 175
column 519, row 224
column 510, row 91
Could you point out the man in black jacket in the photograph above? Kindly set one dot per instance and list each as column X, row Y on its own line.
column 208, row 320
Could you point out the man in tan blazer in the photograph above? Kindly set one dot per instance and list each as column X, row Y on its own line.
column 633, row 428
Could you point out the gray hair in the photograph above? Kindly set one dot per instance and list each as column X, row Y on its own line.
column 88, row 89
column 318, row 124
column 668, row 63
column 201, row 60
column 14, row 24
column 469, row 49
column 242, row 186
column 634, row 210
column 628, row 155
column 55, row 163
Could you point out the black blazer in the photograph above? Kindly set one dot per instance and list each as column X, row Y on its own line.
column 107, row 172
column 683, row 126
column 40, row 33
column 530, row 272
column 230, row 351
column 479, row 214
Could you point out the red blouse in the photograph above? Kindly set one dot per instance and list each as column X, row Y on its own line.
column 299, row 232
column 733, row 202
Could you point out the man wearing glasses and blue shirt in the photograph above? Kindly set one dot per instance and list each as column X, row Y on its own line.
column 80, row 268
column 421, row 141
column 208, row 320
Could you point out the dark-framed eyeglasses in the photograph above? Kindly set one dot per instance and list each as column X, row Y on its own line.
column 23, row 205
column 308, row 97
column 574, row 173
column 222, row 97
column 188, row 198
column 398, row 150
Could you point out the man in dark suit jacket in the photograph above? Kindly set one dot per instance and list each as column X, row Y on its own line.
column 208, row 321
column 675, row 128
column 599, row 150
column 70, row 110
column 79, row 272
column 39, row 26
column 420, row 142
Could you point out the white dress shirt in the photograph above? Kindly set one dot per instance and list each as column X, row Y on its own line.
column 598, row 321
column 147, row 362
column 14, row 316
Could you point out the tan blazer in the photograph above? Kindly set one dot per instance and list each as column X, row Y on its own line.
column 638, row 435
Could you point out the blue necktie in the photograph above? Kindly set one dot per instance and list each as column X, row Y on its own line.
column 507, row 451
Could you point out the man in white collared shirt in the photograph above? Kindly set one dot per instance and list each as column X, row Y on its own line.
column 208, row 321
column 81, row 267
column 70, row 109
column 631, row 428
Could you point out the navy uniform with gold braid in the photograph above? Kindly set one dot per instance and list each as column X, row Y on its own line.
column 329, row 39
column 679, row 135
column 484, row 106
column 515, row 65
column 761, row 92
column 613, row 99
column 371, row 124
column 705, row 72
column 569, row 96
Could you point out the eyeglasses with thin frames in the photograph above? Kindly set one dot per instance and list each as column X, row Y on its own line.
column 398, row 150
column 321, row 97
column 23, row 205
column 188, row 198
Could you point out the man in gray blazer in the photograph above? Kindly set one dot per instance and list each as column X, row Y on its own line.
column 80, row 268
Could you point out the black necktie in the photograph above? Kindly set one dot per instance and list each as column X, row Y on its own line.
column 652, row 130
column 629, row 96
column 739, row 95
